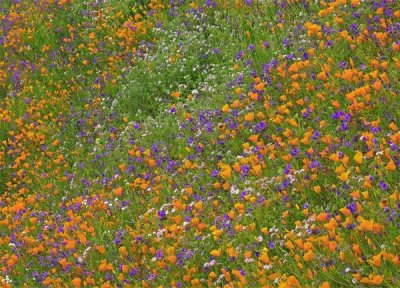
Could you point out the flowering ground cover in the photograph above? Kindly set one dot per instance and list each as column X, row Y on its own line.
column 226, row 143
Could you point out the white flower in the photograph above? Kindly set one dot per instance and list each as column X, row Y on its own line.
column 234, row 190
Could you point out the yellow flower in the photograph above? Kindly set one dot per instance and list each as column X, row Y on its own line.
column 317, row 189
column 344, row 176
column 225, row 108
column 358, row 157
column 249, row 117
column 308, row 256
column 216, row 253
column 226, row 172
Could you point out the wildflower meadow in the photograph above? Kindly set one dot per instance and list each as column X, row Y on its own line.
column 200, row 143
